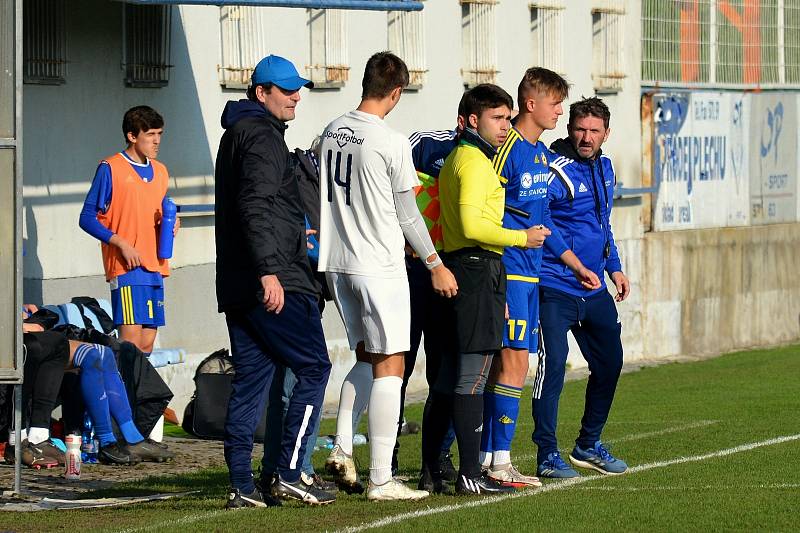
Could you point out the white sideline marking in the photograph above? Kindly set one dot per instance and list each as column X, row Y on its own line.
column 560, row 485
column 775, row 486
column 639, row 436
column 674, row 429
column 190, row 519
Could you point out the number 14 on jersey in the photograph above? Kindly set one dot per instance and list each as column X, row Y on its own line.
column 335, row 174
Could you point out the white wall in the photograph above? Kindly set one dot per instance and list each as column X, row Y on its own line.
column 69, row 128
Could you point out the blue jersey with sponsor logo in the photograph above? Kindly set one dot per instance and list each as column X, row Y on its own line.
column 523, row 169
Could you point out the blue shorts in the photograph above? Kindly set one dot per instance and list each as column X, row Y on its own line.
column 138, row 305
column 522, row 327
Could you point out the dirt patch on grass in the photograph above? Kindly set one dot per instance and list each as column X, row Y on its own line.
column 191, row 455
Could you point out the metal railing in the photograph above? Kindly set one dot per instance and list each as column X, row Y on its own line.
column 721, row 43
column 479, row 42
column 406, row 36
column 146, row 45
column 243, row 42
column 608, row 18
column 45, row 42
column 547, row 31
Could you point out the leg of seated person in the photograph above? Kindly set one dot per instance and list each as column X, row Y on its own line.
column 90, row 361
column 47, row 356
column 104, row 393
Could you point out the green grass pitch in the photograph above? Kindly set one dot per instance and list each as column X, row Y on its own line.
column 713, row 445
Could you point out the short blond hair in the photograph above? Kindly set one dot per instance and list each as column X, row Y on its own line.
column 541, row 81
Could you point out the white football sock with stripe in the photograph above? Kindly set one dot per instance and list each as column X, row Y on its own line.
column 352, row 401
column 384, row 411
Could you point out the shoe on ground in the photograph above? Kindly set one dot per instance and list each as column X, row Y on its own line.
column 394, row 489
column 317, row 482
column 342, row 466
column 509, row 476
column 42, row 455
column 239, row 500
column 156, row 443
column 433, row 482
column 597, row 458
column 480, row 484
column 117, row 454
column 298, row 490
column 446, row 467
column 554, row 467
column 151, row 452
column 264, row 487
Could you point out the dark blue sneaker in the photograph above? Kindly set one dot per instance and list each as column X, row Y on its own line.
column 597, row 458
column 554, row 467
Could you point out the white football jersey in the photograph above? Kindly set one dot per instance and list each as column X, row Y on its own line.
column 362, row 163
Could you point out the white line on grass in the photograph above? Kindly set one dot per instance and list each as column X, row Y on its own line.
column 561, row 485
column 190, row 519
column 646, row 435
column 772, row 486
column 667, row 431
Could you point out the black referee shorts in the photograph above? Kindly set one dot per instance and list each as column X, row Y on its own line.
column 479, row 306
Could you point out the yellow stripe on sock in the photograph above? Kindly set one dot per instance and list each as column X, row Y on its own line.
column 506, row 391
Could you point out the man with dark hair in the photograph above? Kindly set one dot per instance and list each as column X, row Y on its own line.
column 472, row 201
column 580, row 195
column 368, row 212
column 265, row 285
column 521, row 164
column 123, row 211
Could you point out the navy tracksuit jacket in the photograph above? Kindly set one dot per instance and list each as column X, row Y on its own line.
column 580, row 197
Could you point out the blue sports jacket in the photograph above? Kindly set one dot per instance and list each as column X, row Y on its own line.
column 580, row 195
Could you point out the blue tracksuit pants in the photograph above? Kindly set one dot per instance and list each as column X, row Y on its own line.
column 594, row 322
column 260, row 340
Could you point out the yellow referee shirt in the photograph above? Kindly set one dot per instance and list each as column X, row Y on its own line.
column 472, row 201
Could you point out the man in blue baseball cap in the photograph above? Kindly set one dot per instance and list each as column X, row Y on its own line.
column 265, row 285
column 281, row 72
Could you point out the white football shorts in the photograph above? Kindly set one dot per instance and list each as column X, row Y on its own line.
column 374, row 310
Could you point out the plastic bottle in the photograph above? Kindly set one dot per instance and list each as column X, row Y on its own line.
column 313, row 253
column 169, row 213
column 325, row 441
column 89, row 445
column 72, row 459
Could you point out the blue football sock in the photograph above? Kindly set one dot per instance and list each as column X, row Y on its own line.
column 89, row 358
column 118, row 398
column 488, row 412
column 504, row 415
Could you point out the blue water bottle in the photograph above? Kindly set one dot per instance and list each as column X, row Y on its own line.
column 169, row 213
column 313, row 253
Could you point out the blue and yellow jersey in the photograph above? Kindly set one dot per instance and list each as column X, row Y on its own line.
column 523, row 171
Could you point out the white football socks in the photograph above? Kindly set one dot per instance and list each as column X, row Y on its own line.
column 384, row 411
column 352, row 400
column 501, row 457
column 486, row 460
column 38, row 435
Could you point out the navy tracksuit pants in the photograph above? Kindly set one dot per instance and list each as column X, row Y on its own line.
column 594, row 322
column 259, row 341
